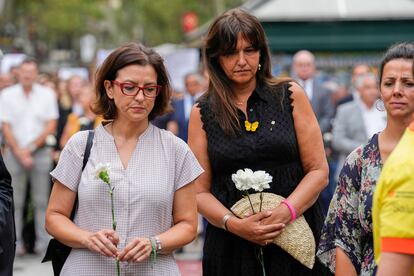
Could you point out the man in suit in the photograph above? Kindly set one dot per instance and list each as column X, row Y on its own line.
column 7, row 230
column 304, row 70
column 358, row 120
column 194, row 84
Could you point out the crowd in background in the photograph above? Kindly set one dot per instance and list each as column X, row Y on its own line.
column 347, row 116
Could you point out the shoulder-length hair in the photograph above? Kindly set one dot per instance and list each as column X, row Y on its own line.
column 222, row 39
column 129, row 54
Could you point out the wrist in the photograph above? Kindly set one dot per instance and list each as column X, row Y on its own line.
column 292, row 211
column 156, row 244
column 225, row 220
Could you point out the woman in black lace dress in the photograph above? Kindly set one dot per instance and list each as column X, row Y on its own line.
column 248, row 119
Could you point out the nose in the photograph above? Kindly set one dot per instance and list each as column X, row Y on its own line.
column 140, row 95
column 242, row 60
column 397, row 87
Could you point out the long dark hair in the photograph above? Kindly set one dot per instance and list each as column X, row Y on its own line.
column 128, row 54
column 222, row 39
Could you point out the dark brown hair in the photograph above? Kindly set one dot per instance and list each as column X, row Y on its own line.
column 222, row 39
column 128, row 54
column 403, row 50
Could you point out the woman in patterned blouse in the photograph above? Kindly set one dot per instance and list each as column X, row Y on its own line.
column 346, row 244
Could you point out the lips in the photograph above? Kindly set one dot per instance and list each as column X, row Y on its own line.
column 241, row 71
column 398, row 104
column 137, row 108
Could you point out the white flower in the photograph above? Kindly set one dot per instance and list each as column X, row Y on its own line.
column 247, row 179
column 242, row 179
column 101, row 168
column 261, row 180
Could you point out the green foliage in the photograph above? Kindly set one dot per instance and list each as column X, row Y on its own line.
column 59, row 17
column 60, row 22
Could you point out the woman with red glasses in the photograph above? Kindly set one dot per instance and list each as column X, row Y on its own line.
column 151, row 172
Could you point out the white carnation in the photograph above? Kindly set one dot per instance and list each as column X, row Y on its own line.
column 247, row 179
column 261, row 181
column 101, row 168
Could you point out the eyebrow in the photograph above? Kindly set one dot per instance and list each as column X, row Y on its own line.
column 146, row 83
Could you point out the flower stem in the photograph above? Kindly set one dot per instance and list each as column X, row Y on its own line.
column 261, row 259
column 251, row 205
column 112, row 208
column 111, row 192
column 261, row 200
column 118, row 269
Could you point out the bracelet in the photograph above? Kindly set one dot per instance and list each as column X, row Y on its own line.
column 291, row 209
column 225, row 219
column 158, row 244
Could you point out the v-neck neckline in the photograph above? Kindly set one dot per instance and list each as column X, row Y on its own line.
column 115, row 148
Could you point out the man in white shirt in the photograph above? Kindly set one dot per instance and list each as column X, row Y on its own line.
column 28, row 113
column 358, row 120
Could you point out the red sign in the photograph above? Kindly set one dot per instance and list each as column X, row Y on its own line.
column 189, row 21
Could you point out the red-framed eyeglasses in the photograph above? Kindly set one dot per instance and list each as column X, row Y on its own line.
column 130, row 89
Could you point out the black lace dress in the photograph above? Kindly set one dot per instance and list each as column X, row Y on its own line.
column 273, row 148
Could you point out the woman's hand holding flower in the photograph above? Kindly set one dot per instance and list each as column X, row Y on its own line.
column 103, row 242
column 138, row 250
column 252, row 228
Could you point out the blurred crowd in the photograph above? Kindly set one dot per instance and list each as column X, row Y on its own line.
column 60, row 107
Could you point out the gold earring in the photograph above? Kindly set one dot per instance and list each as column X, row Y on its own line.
column 259, row 67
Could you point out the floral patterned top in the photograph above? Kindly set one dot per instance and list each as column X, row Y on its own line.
column 348, row 224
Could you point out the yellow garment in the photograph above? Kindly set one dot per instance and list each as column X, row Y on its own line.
column 75, row 124
column 393, row 206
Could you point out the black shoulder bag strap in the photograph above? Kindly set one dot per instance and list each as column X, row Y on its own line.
column 87, row 153
column 56, row 251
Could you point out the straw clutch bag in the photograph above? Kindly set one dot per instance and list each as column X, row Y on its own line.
column 296, row 239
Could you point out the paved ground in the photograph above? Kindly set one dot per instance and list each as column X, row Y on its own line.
column 188, row 262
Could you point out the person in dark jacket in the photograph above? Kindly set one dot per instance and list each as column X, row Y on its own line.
column 7, row 230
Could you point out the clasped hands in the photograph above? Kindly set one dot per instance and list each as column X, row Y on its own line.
column 105, row 243
column 261, row 228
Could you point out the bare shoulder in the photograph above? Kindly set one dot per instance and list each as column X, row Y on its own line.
column 195, row 115
column 297, row 91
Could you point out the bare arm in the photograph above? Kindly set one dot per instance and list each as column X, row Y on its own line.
column 343, row 265
column 312, row 155
column 23, row 155
column 63, row 229
column 182, row 233
column 8, row 136
column 395, row 264
column 208, row 205
column 185, row 220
